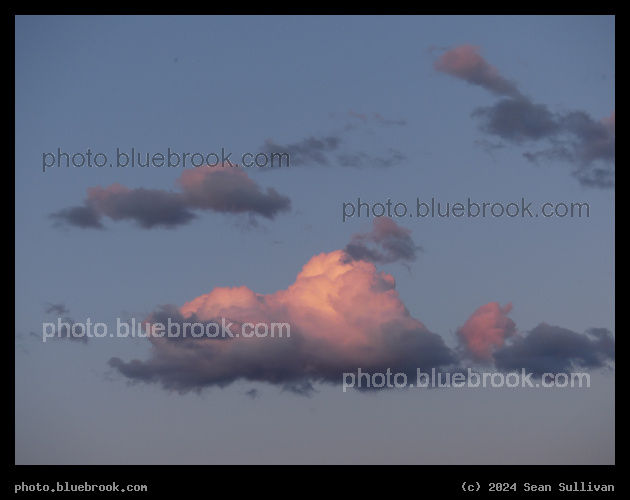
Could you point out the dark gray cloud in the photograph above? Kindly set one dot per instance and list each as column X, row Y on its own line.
column 518, row 120
column 83, row 217
column 149, row 208
column 294, row 363
column 335, row 149
column 227, row 192
column 552, row 349
column 319, row 151
column 387, row 242
column 311, row 150
column 205, row 188
column 573, row 137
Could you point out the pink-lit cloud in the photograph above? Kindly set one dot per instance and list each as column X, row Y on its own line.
column 342, row 316
column 486, row 330
column 466, row 63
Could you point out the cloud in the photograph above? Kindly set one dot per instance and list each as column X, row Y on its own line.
column 485, row 331
column 83, row 217
column 551, row 349
column 395, row 243
column 518, row 120
column 204, row 188
column 335, row 148
column 311, row 150
column 64, row 328
column 572, row 136
column 147, row 207
column 465, row 62
column 340, row 315
column 489, row 337
column 231, row 191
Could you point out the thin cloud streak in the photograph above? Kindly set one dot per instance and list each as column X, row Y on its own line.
column 332, row 149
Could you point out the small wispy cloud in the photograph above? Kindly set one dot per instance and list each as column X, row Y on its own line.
column 334, row 148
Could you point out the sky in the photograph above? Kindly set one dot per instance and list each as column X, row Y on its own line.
column 379, row 127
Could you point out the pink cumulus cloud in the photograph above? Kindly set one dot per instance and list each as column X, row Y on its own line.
column 342, row 316
column 486, row 330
